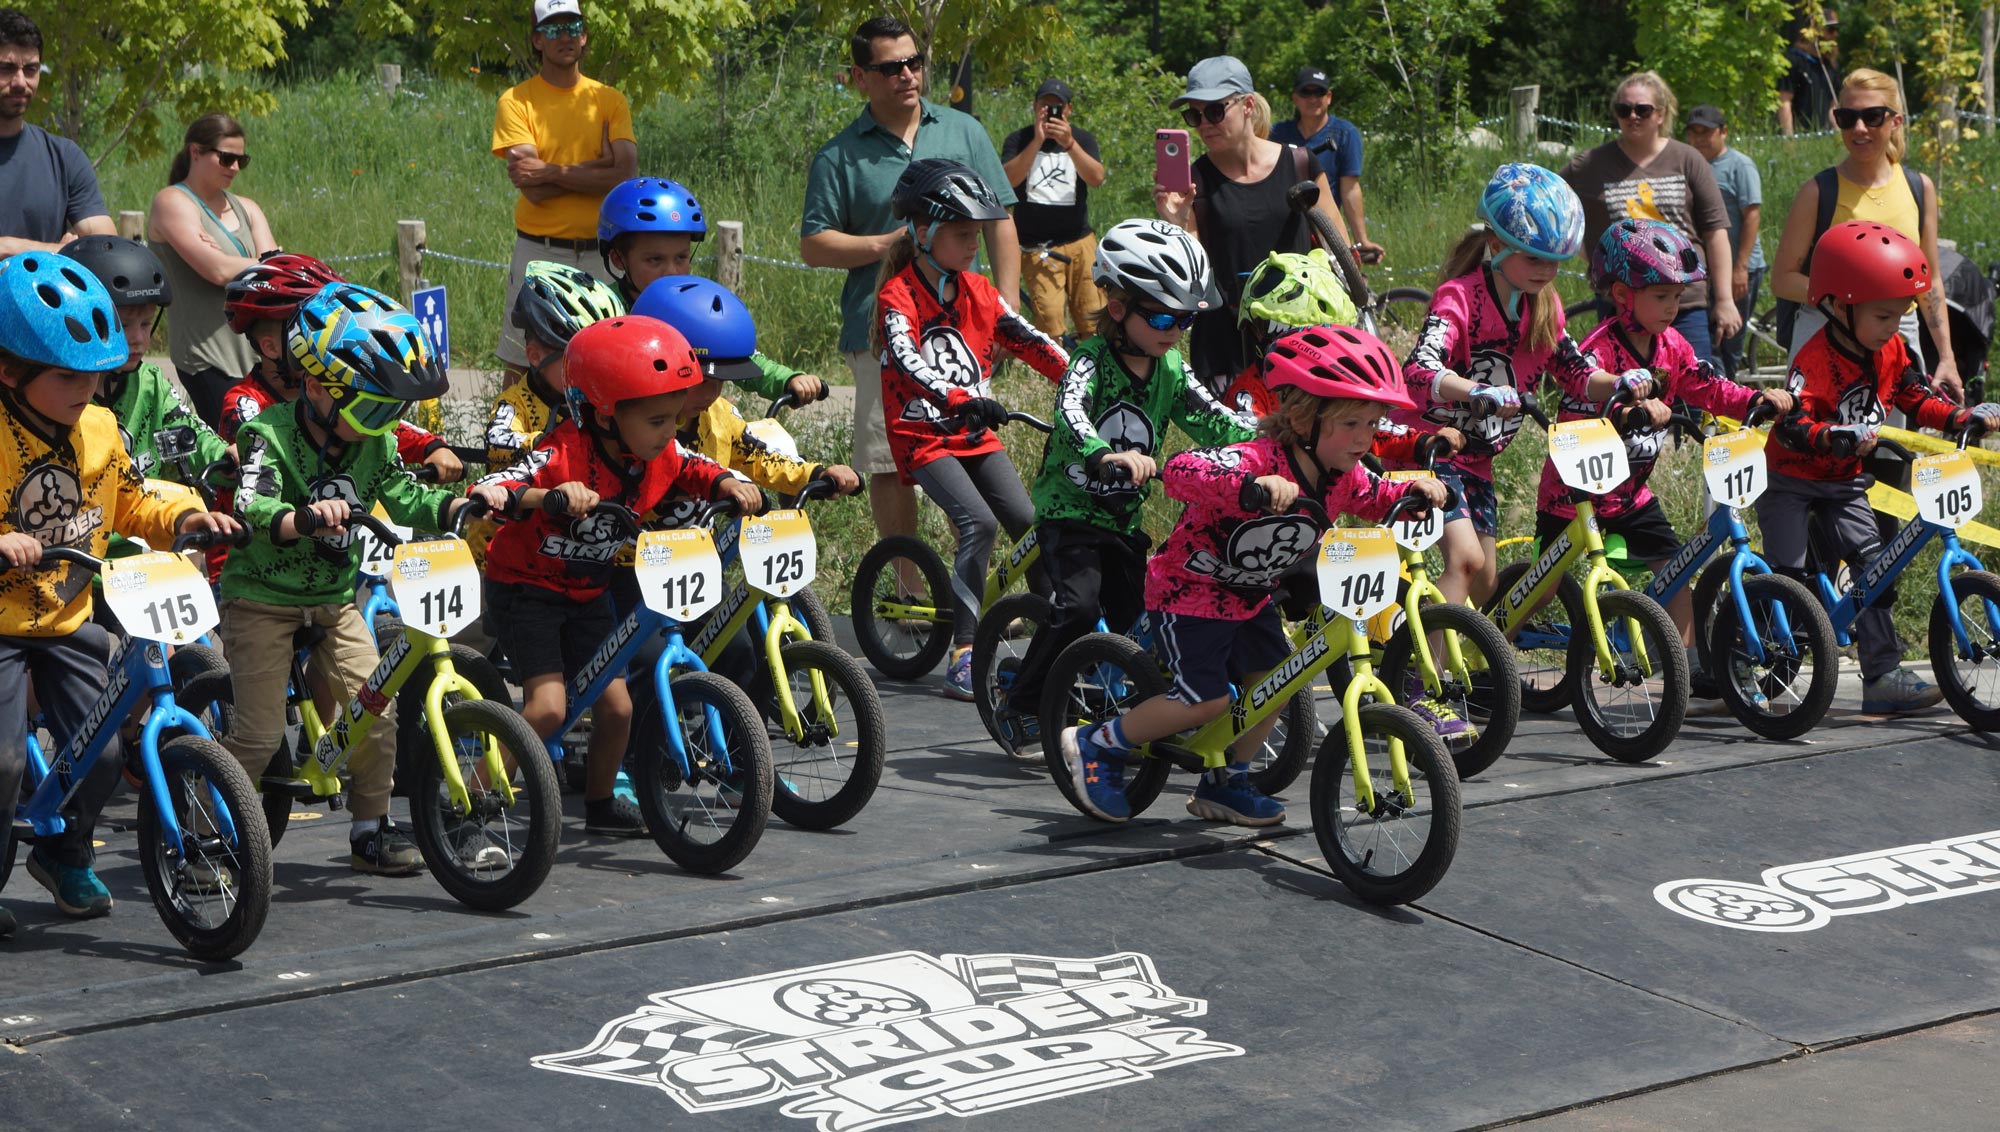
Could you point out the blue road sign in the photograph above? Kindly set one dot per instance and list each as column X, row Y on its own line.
column 435, row 314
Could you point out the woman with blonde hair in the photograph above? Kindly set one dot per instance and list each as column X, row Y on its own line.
column 1870, row 184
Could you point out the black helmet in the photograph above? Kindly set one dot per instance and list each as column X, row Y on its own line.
column 127, row 269
column 934, row 190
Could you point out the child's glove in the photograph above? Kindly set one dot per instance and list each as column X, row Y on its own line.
column 1636, row 383
column 1987, row 416
column 982, row 412
column 1490, row 399
column 1847, row 440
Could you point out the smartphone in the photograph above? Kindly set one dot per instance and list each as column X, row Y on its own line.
column 1056, row 111
column 1173, row 170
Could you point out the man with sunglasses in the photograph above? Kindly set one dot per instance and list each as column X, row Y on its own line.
column 48, row 189
column 567, row 140
column 847, row 224
column 1336, row 145
column 1807, row 93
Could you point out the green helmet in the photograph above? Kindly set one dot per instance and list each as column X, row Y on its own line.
column 1291, row 289
column 557, row 300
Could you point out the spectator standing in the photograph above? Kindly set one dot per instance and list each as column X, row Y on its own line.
column 204, row 235
column 1742, row 189
column 1336, row 145
column 1053, row 165
column 567, row 140
column 847, row 224
column 1644, row 174
column 48, row 190
column 1812, row 75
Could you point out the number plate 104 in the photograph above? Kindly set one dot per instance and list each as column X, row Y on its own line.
column 1358, row 568
column 780, row 556
column 1947, row 489
column 679, row 573
column 436, row 585
column 160, row 597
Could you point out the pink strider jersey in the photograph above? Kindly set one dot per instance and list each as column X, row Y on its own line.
column 1221, row 561
column 1467, row 333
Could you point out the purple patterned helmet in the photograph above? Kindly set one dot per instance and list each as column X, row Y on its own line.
column 1640, row 253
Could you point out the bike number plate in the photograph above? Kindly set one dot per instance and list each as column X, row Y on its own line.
column 376, row 555
column 780, row 556
column 1947, row 489
column 436, row 585
column 1421, row 533
column 1357, row 571
column 160, row 597
column 772, row 435
column 1589, row 455
column 679, row 573
column 1733, row 463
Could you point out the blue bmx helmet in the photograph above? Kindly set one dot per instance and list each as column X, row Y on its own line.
column 649, row 204
column 1534, row 211
column 54, row 312
column 713, row 320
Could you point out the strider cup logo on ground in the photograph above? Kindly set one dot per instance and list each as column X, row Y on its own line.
column 893, row 1038
column 1800, row 898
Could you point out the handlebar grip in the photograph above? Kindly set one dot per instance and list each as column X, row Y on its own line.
column 1431, row 449
column 1032, row 421
column 1252, row 496
column 1414, row 503
column 473, row 509
column 1760, row 411
column 202, row 540
column 1107, row 472
column 56, row 554
column 1534, row 412
column 556, row 502
column 469, row 454
column 425, row 473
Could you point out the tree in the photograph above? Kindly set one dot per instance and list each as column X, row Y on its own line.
column 134, row 70
column 1727, row 52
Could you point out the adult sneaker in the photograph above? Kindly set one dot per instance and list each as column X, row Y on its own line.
column 1234, row 800
column 613, row 817
column 476, row 849
column 1455, row 732
column 1897, row 692
column 958, row 677
column 1098, row 775
column 385, row 851
column 78, row 892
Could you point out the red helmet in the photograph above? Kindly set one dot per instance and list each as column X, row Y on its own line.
column 1858, row 262
column 626, row 358
column 1337, row 362
column 273, row 289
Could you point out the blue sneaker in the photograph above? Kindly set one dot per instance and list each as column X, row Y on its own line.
column 1234, row 800
column 623, row 789
column 958, row 677
column 1097, row 774
column 78, row 892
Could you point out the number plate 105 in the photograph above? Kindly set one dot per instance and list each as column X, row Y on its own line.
column 1947, row 489
column 1358, row 569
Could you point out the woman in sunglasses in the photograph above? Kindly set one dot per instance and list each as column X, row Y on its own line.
column 204, row 235
column 1645, row 174
column 1237, row 209
column 1872, row 185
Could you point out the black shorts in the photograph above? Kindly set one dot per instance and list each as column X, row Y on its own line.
column 1205, row 655
column 1648, row 536
column 543, row 631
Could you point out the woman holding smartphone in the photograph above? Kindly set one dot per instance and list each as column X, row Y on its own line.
column 1232, row 199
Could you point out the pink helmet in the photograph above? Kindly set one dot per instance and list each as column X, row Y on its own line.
column 1640, row 253
column 1337, row 362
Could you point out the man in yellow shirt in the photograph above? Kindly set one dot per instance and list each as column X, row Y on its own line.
column 567, row 140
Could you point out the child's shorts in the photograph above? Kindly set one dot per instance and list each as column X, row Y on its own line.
column 1648, row 535
column 545, row 632
column 1205, row 655
column 1476, row 500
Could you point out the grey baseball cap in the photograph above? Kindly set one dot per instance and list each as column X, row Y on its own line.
column 1216, row 78
column 1706, row 116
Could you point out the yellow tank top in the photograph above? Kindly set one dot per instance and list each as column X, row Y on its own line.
column 1891, row 204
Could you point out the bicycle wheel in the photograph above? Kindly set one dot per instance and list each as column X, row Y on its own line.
column 1971, row 684
column 496, row 855
column 1100, row 676
column 413, row 745
column 1788, row 694
column 1342, row 255
column 1484, row 691
column 1289, row 746
column 901, row 648
column 811, row 611
column 998, row 647
column 1541, row 648
column 210, row 696
column 706, row 821
column 1635, row 718
column 1708, row 597
column 1398, row 849
column 1398, row 315
column 826, row 775
column 213, row 891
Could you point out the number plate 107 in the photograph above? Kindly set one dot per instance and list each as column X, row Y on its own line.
column 1358, row 568
column 1589, row 455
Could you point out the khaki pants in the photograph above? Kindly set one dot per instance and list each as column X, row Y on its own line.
column 258, row 638
column 871, row 431
column 1052, row 284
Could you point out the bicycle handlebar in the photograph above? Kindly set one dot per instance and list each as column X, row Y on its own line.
column 1534, row 412
column 1760, row 411
column 69, row 554
column 202, row 540
column 1253, row 496
column 1032, row 421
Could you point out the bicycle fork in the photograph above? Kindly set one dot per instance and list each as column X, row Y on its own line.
column 781, row 624
column 1353, row 642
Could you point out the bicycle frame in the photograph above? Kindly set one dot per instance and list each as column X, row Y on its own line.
column 1538, row 585
column 1880, row 572
column 1001, row 578
column 1725, row 525
column 774, row 626
column 615, row 655
column 377, row 602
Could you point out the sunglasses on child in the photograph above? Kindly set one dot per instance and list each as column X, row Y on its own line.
column 890, row 68
column 563, row 29
column 1213, row 112
column 1165, row 320
column 1639, row 110
column 1873, row 116
column 231, row 160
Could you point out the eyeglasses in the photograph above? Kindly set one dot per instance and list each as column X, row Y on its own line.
column 1874, row 116
column 372, row 415
column 1639, row 110
column 1165, row 320
column 231, row 160
column 566, row 29
column 1214, row 112
column 890, row 68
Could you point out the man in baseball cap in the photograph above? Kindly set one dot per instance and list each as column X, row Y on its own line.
column 1052, row 165
column 1336, row 145
column 1742, row 189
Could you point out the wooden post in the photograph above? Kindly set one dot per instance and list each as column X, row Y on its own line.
column 409, row 256
column 729, row 254
column 132, row 224
column 1987, row 32
column 390, row 75
column 1524, row 100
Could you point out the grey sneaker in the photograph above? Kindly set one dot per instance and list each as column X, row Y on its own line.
column 385, row 852
column 1898, row 692
column 476, row 849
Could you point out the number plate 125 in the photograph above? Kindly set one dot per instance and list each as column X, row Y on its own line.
column 1358, row 569
column 780, row 555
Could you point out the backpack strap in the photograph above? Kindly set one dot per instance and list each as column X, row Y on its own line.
column 1304, row 166
column 1828, row 181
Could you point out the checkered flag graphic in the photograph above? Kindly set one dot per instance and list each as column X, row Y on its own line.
column 638, row 1045
column 997, row 977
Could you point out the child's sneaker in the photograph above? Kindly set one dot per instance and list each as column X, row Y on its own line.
column 385, row 851
column 1898, row 692
column 1097, row 774
column 958, row 677
column 622, row 789
column 1455, row 731
column 613, row 817
column 1024, row 734
column 1234, row 800
column 78, row 892
column 476, row 849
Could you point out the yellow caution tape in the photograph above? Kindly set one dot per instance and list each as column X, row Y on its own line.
column 1924, row 442
column 1890, row 501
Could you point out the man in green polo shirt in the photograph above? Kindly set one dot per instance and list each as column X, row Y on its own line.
column 847, row 224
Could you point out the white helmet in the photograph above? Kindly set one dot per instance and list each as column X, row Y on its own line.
column 1160, row 261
